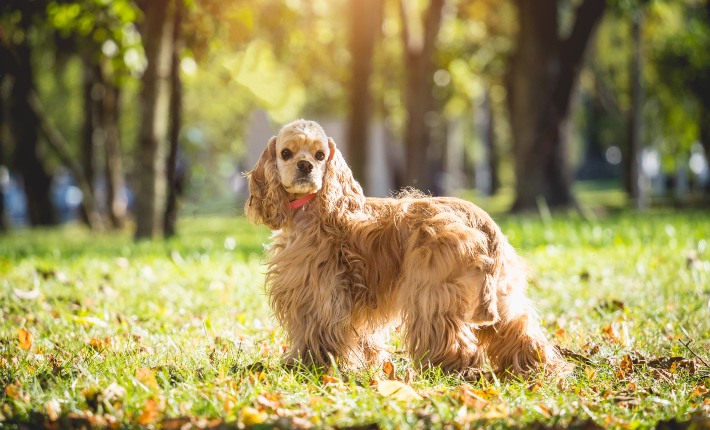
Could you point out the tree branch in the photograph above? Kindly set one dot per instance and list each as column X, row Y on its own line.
column 60, row 147
column 572, row 49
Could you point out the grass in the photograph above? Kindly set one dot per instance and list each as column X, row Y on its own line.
column 98, row 331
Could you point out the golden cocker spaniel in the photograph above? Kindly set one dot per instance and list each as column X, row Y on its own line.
column 343, row 268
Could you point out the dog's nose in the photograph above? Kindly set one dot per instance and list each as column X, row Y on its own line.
column 304, row 166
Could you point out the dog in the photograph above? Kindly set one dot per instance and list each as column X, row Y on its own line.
column 343, row 269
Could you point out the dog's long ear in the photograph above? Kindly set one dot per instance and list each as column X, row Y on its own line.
column 268, row 201
column 341, row 192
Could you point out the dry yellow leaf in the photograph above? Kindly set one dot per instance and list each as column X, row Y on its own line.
column 700, row 390
column 53, row 409
column 331, row 380
column 398, row 391
column 147, row 377
column 251, row 416
column 473, row 398
column 100, row 344
column 13, row 391
column 150, row 413
column 229, row 403
column 269, row 401
column 535, row 386
column 25, row 338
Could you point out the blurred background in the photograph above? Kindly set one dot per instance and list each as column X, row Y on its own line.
column 126, row 114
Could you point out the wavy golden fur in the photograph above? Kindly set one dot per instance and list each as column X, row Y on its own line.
column 343, row 269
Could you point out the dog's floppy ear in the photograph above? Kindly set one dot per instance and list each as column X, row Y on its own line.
column 268, row 201
column 341, row 192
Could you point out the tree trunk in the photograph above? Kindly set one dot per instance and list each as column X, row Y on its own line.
column 365, row 23
column 424, row 160
column 634, row 174
column 4, row 220
column 542, row 74
column 91, row 128
column 25, row 131
column 705, row 135
column 492, row 158
column 150, row 176
column 115, row 200
column 175, row 177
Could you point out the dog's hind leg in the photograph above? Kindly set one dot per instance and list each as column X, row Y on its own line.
column 517, row 343
column 436, row 308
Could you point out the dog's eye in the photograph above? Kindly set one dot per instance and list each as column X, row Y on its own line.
column 286, row 154
column 320, row 155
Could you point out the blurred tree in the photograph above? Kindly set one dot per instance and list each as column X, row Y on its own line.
column 637, row 190
column 99, row 33
column 151, row 152
column 472, row 53
column 365, row 23
column 175, row 176
column 541, row 76
column 4, row 172
column 424, row 157
column 16, row 52
column 680, row 55
column 57, row 142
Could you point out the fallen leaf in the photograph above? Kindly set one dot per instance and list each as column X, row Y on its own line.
column 146, row 377
column 617, row 332
column 397, row 390
column 543, row 410
column 53, row 409
column 626, row 367
column 473, row 398
column 13, row 391
column 250, row 416
column 25, row 338
column 331, row 380
column 389, row 369
column 700, row 390
column 150, row 412
column 612, row 305
column 100, row 345
column 229, row 403
column 574, row 356
column 269, row 401
column 536, row 386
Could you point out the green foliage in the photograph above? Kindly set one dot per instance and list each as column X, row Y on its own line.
column 105, row 330
column 680, row 52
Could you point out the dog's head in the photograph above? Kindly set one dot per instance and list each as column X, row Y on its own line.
column 302, row 153
column 299, row 161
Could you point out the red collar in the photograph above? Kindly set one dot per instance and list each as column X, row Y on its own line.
column 300, row 202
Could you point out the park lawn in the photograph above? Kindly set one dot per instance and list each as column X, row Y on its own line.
column 98, row 331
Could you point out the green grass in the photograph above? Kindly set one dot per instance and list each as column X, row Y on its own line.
column 165, row 334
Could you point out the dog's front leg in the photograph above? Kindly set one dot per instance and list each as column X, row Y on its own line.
column 316, row 317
